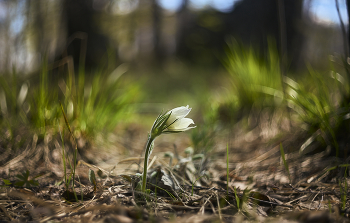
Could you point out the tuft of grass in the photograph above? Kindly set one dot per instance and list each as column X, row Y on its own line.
column 103, row 104
column 74, row 160
column 256, row 79
column 92, row 107
column 13, row 101
column 319, row 102
column 314, row 107
column 44, row 108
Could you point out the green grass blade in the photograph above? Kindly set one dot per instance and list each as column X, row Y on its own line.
column 285, row 163
column 227, row 170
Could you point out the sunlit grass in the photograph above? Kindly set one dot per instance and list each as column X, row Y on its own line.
column 103, row 103
column 314, row 107
column 255, row 78
column 318, row 102
column 92, row 107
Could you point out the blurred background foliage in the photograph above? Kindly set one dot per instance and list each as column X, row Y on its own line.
column 144, row 33
column 108, row 59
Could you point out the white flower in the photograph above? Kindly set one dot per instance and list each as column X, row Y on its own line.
column 177, row 121
column 172, row 121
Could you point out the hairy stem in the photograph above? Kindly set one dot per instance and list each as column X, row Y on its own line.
column 145, row 163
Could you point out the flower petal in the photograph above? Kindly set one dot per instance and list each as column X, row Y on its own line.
column 182, row 123
column 178, row 113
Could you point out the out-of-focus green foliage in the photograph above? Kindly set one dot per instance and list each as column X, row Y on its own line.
column 318, row 105
column 203, row 138
column 43, row 106
column 101, row 104
column 318, row 102
column 255, row 78
column 93, row 107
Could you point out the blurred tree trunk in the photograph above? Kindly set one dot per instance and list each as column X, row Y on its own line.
column 183, row 24
column 253, row 22
column 38, row 25
column 344, row 32
column 348, row 10
column 157, row 23
column 6, row 36
column 295, row 39
column 78, row 16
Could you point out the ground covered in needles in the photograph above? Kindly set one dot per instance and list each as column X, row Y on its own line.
column 184, row 186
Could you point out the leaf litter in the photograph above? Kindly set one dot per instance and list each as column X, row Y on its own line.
column 185, row 189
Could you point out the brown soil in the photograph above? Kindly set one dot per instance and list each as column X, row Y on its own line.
column 313, row 191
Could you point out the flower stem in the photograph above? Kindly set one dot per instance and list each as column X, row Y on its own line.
column 145, row 163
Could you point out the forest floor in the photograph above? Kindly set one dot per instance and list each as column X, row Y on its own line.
column 309, row 187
